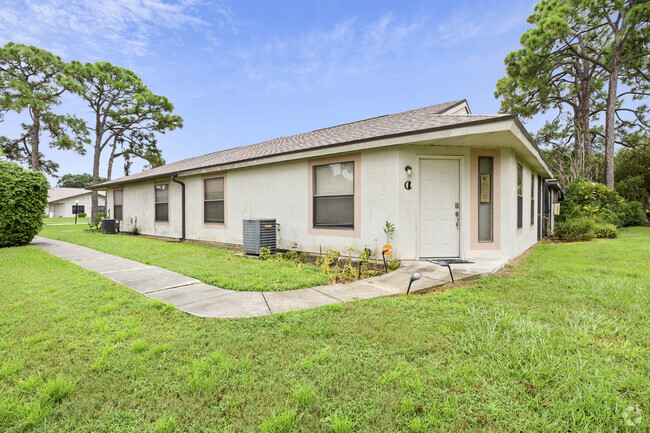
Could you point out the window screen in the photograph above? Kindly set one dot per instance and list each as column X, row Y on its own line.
column 520, row 197
column 334, row 195
column 213, row 200
column 485, row 197
column 117, row 205
column 78, row 208
column 162, row 202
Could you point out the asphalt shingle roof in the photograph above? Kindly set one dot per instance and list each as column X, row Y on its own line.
column 389, row 125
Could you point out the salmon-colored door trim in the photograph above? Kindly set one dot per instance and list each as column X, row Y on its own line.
column 496, row 197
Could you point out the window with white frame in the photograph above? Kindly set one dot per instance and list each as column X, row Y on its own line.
column 333, row 195
column 162, row 202
column 117, row 204
column 213, row 200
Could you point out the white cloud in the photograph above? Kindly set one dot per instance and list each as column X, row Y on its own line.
column 97, row 26
column 300, row 61
column 467, row 24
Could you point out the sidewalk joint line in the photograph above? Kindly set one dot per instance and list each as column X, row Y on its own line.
column 267, row 303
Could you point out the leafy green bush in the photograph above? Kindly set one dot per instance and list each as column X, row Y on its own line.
column 365, row 254
column 265, row 254
column 632, row 214
column 23, row 198
column 605, row 230
column 393, row 264
column 82, row 214
column 328, row 260
column 576, row 229
column 591, row 200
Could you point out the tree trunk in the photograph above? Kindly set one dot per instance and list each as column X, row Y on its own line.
column 96, row 157
column 585, row 103
column 35, row 135
column 610, row 113
column 109, row 170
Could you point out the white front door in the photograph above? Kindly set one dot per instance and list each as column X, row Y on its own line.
column 439, row 208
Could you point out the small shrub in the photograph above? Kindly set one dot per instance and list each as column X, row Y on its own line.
column 389, row 231
column 296, row 257
column 576, row 229
column 331, row 259
column 82, row 214
column 604, row 230
column 100, row 215
column 365, row 254
column 632, row 214
column 23, row 198
column 56, row 390
column 265, row 254
column 393, row 264
column 349, row 273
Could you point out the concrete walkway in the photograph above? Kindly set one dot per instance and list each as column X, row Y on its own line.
column 200, row 299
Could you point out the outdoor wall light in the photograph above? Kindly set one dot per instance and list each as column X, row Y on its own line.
column 408, row 169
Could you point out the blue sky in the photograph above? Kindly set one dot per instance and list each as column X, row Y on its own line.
column 244, row 72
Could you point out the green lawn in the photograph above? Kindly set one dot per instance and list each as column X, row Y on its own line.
column 66, row 220
column 560, row 344
column 217, row 266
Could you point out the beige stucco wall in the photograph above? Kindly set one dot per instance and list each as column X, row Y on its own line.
column 281, row 191
column 63, row 208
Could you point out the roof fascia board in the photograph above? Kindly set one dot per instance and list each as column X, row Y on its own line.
column 520, row 132
column 480, row 127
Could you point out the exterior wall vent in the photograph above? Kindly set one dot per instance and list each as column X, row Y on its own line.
column 259, row 233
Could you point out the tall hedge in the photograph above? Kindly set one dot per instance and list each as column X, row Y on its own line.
column 23, row 198
column 600, row 203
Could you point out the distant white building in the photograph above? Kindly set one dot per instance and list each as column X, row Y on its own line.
column 61, row 202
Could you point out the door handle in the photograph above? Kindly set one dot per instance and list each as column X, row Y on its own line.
column 457, row 218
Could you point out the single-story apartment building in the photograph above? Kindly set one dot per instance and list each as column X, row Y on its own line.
column 66, row 202
column 454, row 184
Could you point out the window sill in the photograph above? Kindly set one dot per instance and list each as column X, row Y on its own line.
column 343, row 232
column 220, row 226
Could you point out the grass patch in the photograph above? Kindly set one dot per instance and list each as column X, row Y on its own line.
column 56, row 390
column 67, row 220
column 559, row 344
column 212, row 265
